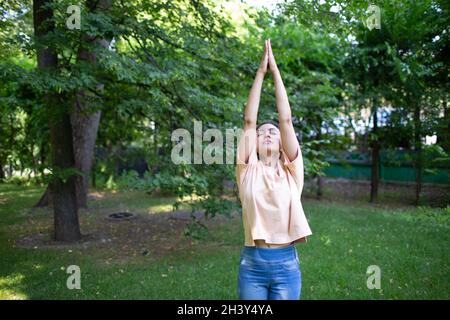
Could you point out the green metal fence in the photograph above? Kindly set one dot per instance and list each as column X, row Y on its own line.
column 394, row 166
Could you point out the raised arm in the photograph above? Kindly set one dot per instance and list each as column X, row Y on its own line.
column 287, row 132
column 248, row 138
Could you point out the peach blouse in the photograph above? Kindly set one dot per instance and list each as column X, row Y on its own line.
column 271, row 199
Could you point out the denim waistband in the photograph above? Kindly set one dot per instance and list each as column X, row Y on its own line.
column 271, row 254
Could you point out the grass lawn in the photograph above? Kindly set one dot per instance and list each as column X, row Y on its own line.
column 409, row 245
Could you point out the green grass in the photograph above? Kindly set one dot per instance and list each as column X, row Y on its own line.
column 411, row 247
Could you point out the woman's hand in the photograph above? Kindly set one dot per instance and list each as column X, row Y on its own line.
column 265, row 59
column 272, row 63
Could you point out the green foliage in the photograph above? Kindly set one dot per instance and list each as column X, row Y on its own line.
column 196, row 230
column 213, row 206
column 181, row 181
column 129, row 180
column 61, row 174
column 171, row 62
column 434, row 157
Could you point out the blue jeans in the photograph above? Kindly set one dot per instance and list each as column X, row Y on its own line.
column 269, row 274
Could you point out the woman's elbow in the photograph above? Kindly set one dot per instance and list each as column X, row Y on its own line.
column 285, row 120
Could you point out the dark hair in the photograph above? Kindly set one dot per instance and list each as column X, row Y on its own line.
column 266, row 122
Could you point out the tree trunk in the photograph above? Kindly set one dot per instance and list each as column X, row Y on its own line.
column 319, row 192
column 10, row 169
column 85, row 128
column 418, row 152
column 319, row 187
column 374, row 180
column 42, row 158
column 85, row 120
column 35, row 163
column 66, row 225
column 64, row 193
column 2, row 172
column 447, row 121
column 45, row 199
column 94, row 180
column 443, row 136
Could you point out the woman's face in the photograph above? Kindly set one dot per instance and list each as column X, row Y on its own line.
column 268, row 140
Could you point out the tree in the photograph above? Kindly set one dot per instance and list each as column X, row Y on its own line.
column 66, row 225
column 85, row 117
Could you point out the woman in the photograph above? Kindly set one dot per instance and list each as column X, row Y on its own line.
column 269, row 174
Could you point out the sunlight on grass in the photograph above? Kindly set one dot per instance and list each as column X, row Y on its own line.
column 161, row 208
column 97, row 195
column 12, row 281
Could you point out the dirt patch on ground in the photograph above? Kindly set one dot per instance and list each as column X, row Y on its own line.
column 146, row 235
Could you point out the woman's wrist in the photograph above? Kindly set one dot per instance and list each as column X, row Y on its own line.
column 261, row 72
column 274, row 70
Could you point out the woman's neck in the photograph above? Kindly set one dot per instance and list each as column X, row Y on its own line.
column 270, row 161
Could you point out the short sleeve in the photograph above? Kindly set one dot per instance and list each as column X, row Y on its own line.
column 242, row 167
column 295, row 167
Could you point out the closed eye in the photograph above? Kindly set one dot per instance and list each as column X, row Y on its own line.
column 272, row 132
